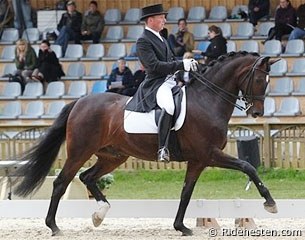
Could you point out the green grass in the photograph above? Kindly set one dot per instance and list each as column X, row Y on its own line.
column 212, row 184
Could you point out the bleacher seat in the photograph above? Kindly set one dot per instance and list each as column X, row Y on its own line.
column 200, row 31
column 269, row 107
column 115, row 51
column 237, row 112
column 75, row 71
column 298, row 68
column 33, row 110
column 245, row 30
column 133, row 33
column 11, row 90
column 113, row 34
column 11, row 110
column 8, row 54
column 132, row 16
column 201, row 46
column 53, row 109
column 279, row 68
column 272, row 48
column 289, row 106
column 95, row 52
column 300, row 88
column 231, row 46
column 263, row 30
column 76, row 90
column 294, row 48
column 281, row 87
column 196, row 14
column 250, row 46
column 97, row 71
column 55, row 90
column 174, row 14
column 32, row 35
column 217, row 14
column 57, row 50
column 9, row 36
column 112, row 16
column 73, row 53
column 9, row 68
column 132, row 55
column 36, row 48
column 32, row 90
column 99, row 87
column 226, row 29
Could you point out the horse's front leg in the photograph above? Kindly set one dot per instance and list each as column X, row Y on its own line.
column 192, row 174
column 225, row 161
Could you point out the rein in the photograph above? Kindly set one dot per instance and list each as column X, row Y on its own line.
column 247, row 98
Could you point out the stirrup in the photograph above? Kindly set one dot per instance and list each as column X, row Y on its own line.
column 163, row 155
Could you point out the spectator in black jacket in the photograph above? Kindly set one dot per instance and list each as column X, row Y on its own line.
column 257, row 10
column 69, row 26
column 299, row 31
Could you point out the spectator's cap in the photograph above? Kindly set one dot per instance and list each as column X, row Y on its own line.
column 152, row 10
column 71, row 3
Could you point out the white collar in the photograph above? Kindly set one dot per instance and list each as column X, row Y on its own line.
column 154, row 32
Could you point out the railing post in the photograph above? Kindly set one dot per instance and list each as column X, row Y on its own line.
column 267, row 146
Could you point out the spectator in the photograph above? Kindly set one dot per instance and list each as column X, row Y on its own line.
column 3, row 9
column 120, row 78
column 23, row 15
column 25, row 59
column 138, row 78
column 285, row 21
column 93, row 24
column 299, row 31
column 257, row 10
column 183, row 77
column 217, row 47
column 183, row 40
column 69, row 26
column 48, row 67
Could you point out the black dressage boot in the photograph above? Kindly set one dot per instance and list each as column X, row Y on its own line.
column 164, row 126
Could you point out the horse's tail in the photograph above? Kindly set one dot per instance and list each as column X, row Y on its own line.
column 41, row 157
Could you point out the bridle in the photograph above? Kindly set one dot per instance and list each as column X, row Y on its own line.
column 247, row 98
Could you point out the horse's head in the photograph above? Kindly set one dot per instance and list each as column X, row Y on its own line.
column 253, row 85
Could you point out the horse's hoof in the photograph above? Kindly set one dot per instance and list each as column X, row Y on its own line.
column 98, row 217
column 96, row 220
column 187, row 232
column 270, row 208
column 57, row 233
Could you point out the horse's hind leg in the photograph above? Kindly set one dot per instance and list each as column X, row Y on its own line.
column 225, row 161
column 104, row 165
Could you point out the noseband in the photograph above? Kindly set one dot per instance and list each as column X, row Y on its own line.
column 247, row 97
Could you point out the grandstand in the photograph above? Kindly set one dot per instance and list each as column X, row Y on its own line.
column 281, row 133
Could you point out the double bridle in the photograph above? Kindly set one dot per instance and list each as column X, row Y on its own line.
column 247, row 98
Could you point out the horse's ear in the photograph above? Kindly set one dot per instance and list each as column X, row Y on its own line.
column 263, row 61
column 274, row 61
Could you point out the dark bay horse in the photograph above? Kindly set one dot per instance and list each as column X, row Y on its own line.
column 94, row 125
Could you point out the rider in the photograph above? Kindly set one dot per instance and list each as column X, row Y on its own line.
column 158, row 60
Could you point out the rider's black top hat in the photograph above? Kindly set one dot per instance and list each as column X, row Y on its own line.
column 152, row 10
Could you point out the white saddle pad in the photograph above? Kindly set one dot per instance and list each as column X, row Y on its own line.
column 136, row 122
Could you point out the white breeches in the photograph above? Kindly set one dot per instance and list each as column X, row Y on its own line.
column 165, row 97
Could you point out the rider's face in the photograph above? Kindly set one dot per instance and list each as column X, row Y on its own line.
column 157, row 22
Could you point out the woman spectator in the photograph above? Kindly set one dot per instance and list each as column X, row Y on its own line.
column 299, row 31
column 217, row 47
column 48, row 67
column 285, row 21
column 25, row 59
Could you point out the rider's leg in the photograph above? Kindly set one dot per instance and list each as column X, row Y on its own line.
column 166, row 102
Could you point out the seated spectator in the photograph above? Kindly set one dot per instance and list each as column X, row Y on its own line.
column 138, row 78
column 217, row 47
column 184, row 77
column 285, row 21
column 48, row 67
column 25, row 59
column 93, row 24
column 299, row 31
column 183, row 40
column 120, row 78
column 69, row 26
column 257, row 10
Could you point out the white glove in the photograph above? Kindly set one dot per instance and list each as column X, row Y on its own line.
column 190, row 64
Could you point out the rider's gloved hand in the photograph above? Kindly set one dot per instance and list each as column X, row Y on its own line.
column 190, row 64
